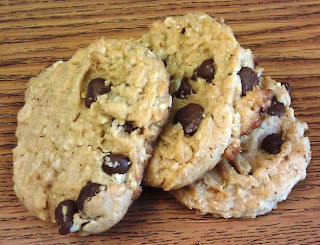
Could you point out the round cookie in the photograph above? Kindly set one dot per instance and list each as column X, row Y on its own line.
column 274, row 158
column 85, row 135
column 203, row 59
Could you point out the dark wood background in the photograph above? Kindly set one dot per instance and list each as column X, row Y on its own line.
column 284, row 34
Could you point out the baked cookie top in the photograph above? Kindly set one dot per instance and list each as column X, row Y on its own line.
column 273, row 158
column 85, row 134
column 203, row 59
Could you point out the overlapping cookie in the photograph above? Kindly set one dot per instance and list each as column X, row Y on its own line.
column 273, row 158
column 203, row 59
column 86, row 132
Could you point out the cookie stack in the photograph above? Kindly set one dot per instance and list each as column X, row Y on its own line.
column 229, row 145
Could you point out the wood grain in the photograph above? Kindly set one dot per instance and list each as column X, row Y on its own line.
column 284, row 34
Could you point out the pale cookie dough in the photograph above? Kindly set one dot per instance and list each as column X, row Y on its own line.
column 85, row 135
column 203, row 59
column 274, row 158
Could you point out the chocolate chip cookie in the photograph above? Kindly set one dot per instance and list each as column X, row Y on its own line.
column 273, row 158
column 203, row 59
column 86, row 132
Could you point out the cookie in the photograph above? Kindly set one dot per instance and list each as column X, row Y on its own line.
column 203, row 59
column 273, row 159
column 86, row 132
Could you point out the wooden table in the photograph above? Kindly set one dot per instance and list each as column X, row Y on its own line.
column 284, row 34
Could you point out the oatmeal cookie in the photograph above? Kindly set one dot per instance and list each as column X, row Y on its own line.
column 204, row 59
column 273, row 158
column 86, row 132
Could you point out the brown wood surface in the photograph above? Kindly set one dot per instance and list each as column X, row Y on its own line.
column 284, row 34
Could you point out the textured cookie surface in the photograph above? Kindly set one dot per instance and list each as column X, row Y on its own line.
column 203, row 59
column 86, row 132
column 274, row 158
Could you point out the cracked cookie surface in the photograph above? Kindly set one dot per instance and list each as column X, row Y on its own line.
column 86, row 132
column 203, row 59
column 274, row 158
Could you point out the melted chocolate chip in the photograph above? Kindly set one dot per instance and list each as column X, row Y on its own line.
column 276, row 108
column 205, row 70
column 128, row 127
column 87, row 192
column 249, row 79
column 287, row 86
column 121, row 163
column 95, row 88
column 64, row 215
column 190, row 118
column 183, row 30
column 272, row 143
column 184, row 89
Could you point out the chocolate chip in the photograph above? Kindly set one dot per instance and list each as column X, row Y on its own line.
column 128, row 127
column 95, row 88
column 64, row 215
column 190, row 118
column 86, row 193
column 120, row 162
column 276, row 108
column 205, row 70
column 248, row 79
column 272, row 143
column 287, row 86
column 183, row 30
column 184, row 89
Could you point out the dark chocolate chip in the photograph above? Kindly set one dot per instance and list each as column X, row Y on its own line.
column 287, row 86
column 249, row 79
column 205, row 70
column 128, row 127
column 121, row 167
column 276, row 108
column 64, row 215
column 184, row 89
column 86, row 193
column 190, row 118
column 272, row 143
column 95, row 88
column 183, row 30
